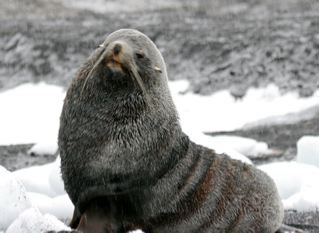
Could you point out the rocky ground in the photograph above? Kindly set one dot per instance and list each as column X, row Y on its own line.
column 232, row 44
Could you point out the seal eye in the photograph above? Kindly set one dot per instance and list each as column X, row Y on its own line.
column 140, row 55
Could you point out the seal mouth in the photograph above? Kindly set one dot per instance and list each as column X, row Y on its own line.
column 118, row 57
column 115, row 65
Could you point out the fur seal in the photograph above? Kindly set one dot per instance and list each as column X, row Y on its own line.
column 127, row 164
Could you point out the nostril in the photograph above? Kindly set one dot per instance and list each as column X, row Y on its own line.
column 117, row 49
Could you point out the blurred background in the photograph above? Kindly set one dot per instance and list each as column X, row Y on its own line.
column 239, row 70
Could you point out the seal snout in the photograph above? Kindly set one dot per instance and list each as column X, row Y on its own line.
column 116, row 57
column 117, row 49
column 117, row 61
column 120, row 59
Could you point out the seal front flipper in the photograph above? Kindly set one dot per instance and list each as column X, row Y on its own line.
column 109, row 214
column 98, row 218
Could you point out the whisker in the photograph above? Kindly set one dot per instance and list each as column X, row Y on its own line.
column 99, row 60
column 137, row 78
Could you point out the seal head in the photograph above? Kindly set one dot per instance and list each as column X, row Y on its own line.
column 127, row 56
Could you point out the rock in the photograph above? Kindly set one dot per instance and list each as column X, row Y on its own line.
column 208, row 49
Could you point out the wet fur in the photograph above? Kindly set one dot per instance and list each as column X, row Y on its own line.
column 135, row 157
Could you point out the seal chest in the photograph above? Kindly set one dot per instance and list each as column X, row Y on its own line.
column 126, row 163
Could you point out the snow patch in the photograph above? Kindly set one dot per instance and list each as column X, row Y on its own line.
column 103, row 6
column 221, row 112
column 30, row 114
column 287, row 119
column 45, row 179
column 55, row 177
column 208, row 141
column 246, row 146
column 307, row 199
column 32, row 221
column 297, row 184
column 61, row 206
column 35, row 179
column 13, row 198
column 44, row 148
column 308, row 150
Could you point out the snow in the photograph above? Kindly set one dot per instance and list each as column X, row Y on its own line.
column 13, row 198
column 304, row 200
column 41, row 104
column 245, row 146
column 55, row 178
column 103, row 6
column 36, row 179
column 32, row 187
column 221, row 112
column 45, row 179
column 44, row 148
column 208, row 141
column 308, row 150
column 297, row 184
column 32, row 221
column 45, row 189
column 30, row 114
column 60, row 206
column 289, row 118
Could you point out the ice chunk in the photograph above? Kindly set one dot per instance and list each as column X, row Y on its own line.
column 289, row 118
column 61, row 206
column 44, row 148
column 45, row 179
column 305, row 200
column 207, row 141
column 35, row 179
column 308, row 150
column 243, row 145
column 220, row 112
column 55, row 178
column 41, row 202
column 13, row 198
column 42, row 103
column 32, row 221
column 291, row 177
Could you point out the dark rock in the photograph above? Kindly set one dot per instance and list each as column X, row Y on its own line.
column 215, row 45
column 280, row 135
column 14, row 157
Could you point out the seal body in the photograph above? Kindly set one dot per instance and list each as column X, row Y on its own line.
column 126, row 163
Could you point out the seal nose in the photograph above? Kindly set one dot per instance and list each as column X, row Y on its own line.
column 117, row 48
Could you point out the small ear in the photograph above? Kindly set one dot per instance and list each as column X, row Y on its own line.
column 156, row 68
